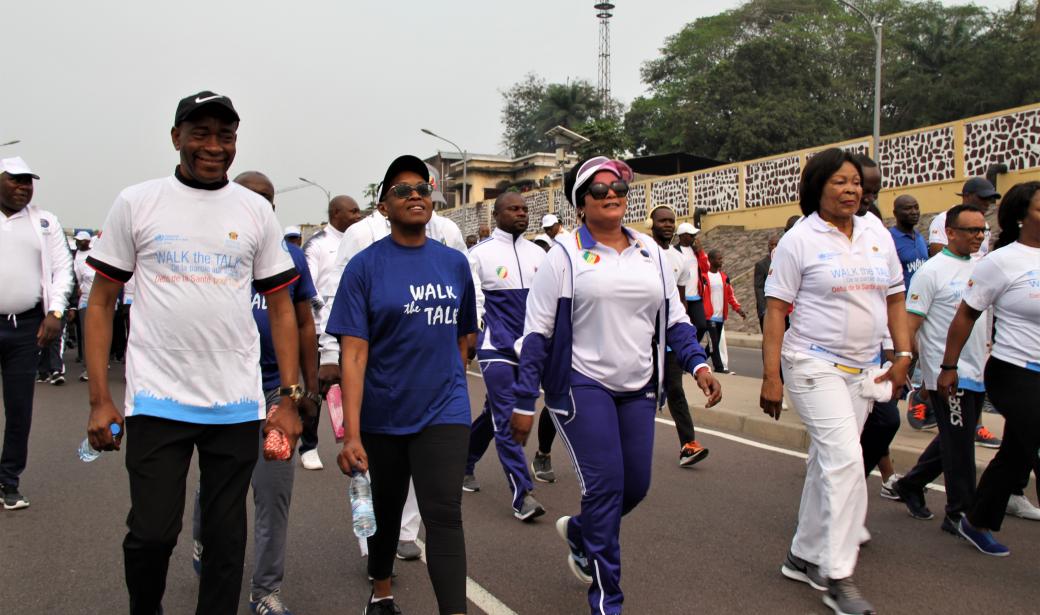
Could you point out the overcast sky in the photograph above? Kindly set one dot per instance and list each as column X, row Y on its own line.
column 331, row 90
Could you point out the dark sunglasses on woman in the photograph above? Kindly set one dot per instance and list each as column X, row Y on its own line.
column 599, row 190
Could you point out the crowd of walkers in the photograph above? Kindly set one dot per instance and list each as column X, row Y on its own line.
column 393, row 307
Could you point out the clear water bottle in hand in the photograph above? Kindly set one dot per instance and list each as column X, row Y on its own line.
column 361, row 506
column 88, row 453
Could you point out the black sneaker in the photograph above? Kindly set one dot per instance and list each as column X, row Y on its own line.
column 381, row 607
column 541, row 468
column 949, row 524
column 844, row 598
column 470, row 483
column 13, row 500
column 57, row 379
column 914, row 501
column 530, row 509
column 798, row 569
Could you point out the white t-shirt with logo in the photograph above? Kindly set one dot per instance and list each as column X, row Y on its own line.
column 193, row 353
column 678, row 263
column 839, row 288
column 1009, row 280
column 935, row 294
column 693, row 270
column 937, row 234
column 717, row 295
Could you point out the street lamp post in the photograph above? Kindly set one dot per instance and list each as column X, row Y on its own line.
column 875, row 25
column 13, row 142
column 328, row 195
column 465, row 200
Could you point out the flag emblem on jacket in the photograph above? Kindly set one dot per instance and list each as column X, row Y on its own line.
column 590, row 258
column 502, row 272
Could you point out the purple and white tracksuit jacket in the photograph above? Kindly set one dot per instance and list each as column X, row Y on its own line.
column 596, row 327
column 503, row 268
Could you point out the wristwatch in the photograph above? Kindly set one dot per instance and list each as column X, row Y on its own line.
column 315, row 397
column 56, row 313
column 293, row 392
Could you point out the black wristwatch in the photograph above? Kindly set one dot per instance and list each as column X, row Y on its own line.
column 293, row 392
column 314, row 396
column 948, row 368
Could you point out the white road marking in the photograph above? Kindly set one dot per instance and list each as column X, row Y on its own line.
column 476, row 594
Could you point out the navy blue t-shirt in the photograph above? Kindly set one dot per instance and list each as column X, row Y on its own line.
column 912, row 250
column 301, row 289
column 412, row 305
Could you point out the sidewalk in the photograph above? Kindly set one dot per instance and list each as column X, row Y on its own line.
column 738, row 413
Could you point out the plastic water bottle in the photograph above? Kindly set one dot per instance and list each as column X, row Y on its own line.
column 87, row 453
column 361, row 506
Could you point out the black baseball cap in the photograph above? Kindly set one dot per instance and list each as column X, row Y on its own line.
column 190, row 104
column 400, row 165
column 980, row 186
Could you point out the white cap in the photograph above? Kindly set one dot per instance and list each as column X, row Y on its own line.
column 81, row 235
column 292, row 231
column 687, row 229
column 549, row 220
column 16, row 166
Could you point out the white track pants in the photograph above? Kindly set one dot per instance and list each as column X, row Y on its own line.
column 410, row 521
column 834, row 498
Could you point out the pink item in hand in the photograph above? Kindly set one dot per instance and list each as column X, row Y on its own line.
column 276, row 445
column 334, row 399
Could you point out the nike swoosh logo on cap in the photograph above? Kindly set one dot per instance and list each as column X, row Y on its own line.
column 207, row 99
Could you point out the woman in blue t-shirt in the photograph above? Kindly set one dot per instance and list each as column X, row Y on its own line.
column 402, row 313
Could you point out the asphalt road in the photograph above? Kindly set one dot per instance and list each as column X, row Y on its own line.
column 708, row 539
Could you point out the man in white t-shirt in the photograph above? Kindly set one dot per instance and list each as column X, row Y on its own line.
column 195, row 244
column 84, row 280
column 977, row 192
column 935, row 294
column 320, row 251
column 662, row 227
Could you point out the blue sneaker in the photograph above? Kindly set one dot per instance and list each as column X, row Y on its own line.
column 271, row 604
column 578, row 561
column 982, row 539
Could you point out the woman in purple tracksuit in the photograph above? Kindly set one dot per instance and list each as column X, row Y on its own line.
column 599, row 314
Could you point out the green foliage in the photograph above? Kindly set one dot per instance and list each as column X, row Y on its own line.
column 532, row 106
column 777, row 75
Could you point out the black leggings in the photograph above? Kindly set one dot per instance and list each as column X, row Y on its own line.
column 1014, row 391
column 435, row 460
column 546, row 432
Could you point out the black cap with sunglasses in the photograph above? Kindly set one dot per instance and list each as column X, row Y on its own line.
column 400, row 165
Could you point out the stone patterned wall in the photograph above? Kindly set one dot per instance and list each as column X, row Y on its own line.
column 859, row 147
column 771, row 182
column 717, row 190
column 1013, row 139
column 537, row 206
column 917, row 158
column 563, row 210
column 674, row 192
column 636, row 212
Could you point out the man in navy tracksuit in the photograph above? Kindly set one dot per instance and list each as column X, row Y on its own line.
column 503, row 266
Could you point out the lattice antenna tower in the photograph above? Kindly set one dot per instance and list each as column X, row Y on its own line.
column 603, row 13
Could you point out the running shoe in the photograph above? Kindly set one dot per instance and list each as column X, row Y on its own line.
column 13, row 500
column 691, row 453
column 530, row 509
column 469, row 483
column 797, row 569
column 408, row 550
column 577, row 561
column 1021, row 507
column 919, row 415
column 196, row 557
column 311, row 460
column 385, row 606
column 41, row 377
column 981, row 539
column 271, row 604
column 83, row 376
column 914, row 501
column 57, row 379
column 950, row 523
column 541, row 468
column 887, row 490
column 844, row 598
column 985, row 438
column 987, row 406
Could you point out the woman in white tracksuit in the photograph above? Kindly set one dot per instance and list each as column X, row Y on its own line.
column 842, row 274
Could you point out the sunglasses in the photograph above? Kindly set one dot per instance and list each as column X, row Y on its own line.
column 971, row 230
column 599, row 190
column 403, row 191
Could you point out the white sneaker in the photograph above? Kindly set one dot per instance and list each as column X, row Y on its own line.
column 1020, row 506
column 311, row 461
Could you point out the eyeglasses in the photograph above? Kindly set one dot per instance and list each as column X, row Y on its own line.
column 971, row 230
column 403, row 191
column 599, row 190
